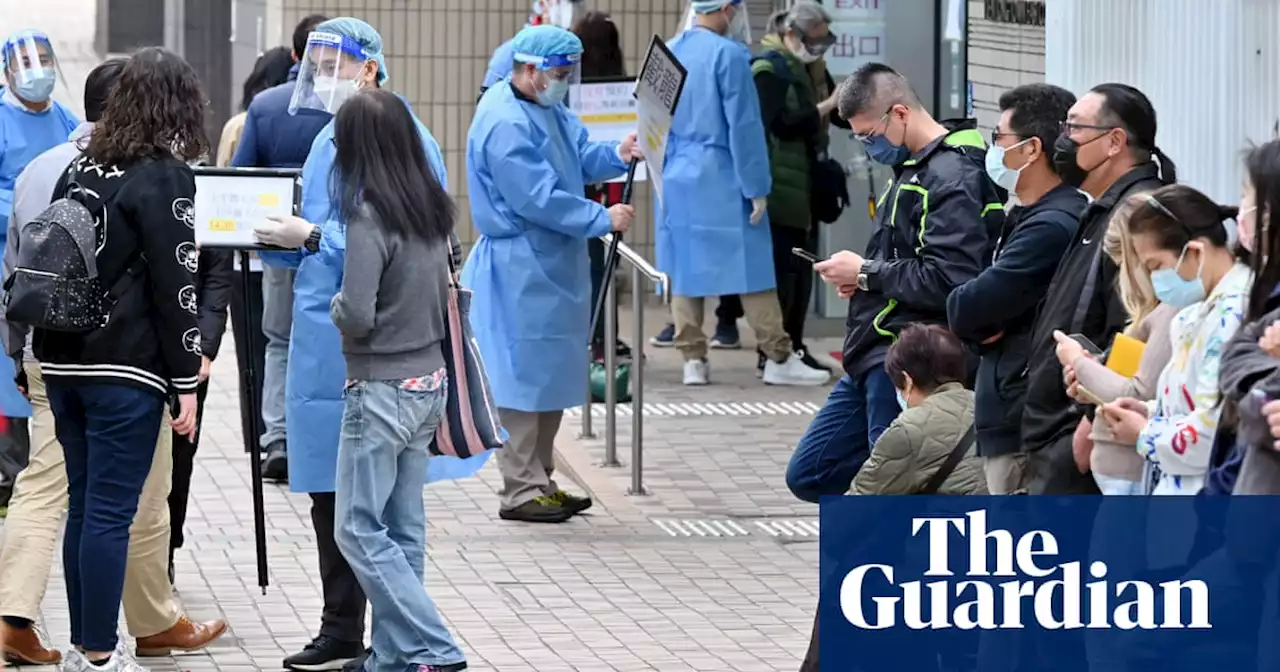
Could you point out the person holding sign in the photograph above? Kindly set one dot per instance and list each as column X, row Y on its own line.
column 343, row 56
column 529, row 162
column 713, row 237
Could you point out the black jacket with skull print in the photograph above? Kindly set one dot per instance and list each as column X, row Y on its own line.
column 147, row 253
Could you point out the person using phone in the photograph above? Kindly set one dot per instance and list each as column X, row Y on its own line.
column 996, row 311
column 1116, row 467
column 1187, row 242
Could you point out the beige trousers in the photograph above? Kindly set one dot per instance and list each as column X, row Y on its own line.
column 764, row 316
column 35, row 515
column 528, row 460
column 1006, row 474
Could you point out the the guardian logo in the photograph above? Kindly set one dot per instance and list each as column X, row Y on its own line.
column 1057, row 594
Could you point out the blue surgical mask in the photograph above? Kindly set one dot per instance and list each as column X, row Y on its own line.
column 554, row 93
column 882, row 151
column 38, row 88
column 1173, row 289
column 902, row 401
column 1002, row 175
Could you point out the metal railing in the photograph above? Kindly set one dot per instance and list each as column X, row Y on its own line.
column 640, row 269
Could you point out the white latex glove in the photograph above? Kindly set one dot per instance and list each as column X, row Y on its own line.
column 629, row 148
column 287, row 232
column 758, row 207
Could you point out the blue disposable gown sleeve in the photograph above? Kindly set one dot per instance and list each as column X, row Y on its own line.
column 741, row 104
column 529, row 185
column 600, row 160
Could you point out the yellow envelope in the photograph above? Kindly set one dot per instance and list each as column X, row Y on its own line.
column 1126, row 354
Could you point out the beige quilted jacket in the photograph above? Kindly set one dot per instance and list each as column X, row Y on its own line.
column 916, row 445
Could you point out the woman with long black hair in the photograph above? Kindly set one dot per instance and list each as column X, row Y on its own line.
column 602, row 60
column 390, row 310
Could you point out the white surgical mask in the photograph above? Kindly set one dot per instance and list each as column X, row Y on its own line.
column 334, row 91
column 554, row 93
column 999, row 173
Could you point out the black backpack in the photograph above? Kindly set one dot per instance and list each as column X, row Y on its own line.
column 55, row 283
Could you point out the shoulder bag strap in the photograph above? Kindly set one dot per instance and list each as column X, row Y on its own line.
column 957, row 454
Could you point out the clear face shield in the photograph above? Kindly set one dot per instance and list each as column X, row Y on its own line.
column 330, row 72
column 554, row 76
column 31, row 68
column 736, row 11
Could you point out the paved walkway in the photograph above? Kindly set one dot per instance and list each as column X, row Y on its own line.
column 613, row 590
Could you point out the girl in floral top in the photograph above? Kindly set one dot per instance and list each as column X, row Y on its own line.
column 1187, row 242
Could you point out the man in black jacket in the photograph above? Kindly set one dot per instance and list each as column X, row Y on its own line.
column 936, row 226
column 1106, row 148
column 996, row 311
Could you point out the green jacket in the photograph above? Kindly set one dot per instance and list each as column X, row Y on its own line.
column 917, row 443
column 791, row 158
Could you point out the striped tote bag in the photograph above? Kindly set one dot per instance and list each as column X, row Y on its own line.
column 471, row 425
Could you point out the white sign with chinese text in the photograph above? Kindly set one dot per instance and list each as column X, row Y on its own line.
column 859, row 28
column 657, row 93
column 228, row 206
column 608, row 110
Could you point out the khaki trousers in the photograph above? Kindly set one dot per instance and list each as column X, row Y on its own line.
column 528, row 460
column 35, row 515
column 763, row 313
column 1006, row 474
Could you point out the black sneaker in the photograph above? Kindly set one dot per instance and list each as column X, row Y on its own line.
column 810, row 362
column 573, row 503
column 324, row 654
column 452, row 667
column 275, row 466
column 761, row 360
column 538, row 510
column 358, row 664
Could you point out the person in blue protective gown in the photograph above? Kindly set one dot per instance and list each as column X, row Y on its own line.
column 712, row 233
column 31, row 123
column 562, row 13
column 343, row 55
column 528, row 161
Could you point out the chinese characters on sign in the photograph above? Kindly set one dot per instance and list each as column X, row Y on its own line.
column 658, row 92
column 860, row 31
column 229, row 205
column 608, row 110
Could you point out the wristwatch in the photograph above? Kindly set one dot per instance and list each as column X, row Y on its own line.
column 313, row 241
column 870, row 268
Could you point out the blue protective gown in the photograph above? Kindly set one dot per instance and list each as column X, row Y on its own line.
column 317, row 371
column 529, row 274
column 499, row 64
column 24, row 135
column 716, row 162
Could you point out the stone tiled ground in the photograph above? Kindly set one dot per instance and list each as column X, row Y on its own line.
column 608, row 591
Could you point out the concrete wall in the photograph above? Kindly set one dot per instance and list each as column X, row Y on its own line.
column 1006, row 49
column 437, row 51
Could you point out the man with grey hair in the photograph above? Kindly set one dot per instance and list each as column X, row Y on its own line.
column 797, row 105
column 936, row 227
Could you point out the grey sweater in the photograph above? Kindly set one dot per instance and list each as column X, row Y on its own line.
column 392, row 304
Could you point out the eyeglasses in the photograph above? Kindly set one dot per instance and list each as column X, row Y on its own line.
column 866, row 137
column 996, row 135
column 1069, row 127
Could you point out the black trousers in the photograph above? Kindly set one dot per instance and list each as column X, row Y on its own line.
column 795, row 277
column 597, row 251
column 344, row 601
column 250, row 418
column 184, row 458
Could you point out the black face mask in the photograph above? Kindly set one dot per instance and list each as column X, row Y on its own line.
column 1065, row 161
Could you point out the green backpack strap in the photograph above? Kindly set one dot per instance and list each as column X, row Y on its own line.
column 773, row 62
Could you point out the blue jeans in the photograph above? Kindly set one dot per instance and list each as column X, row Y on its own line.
column 841, row 436
column 380, row 524
column 108, row 435
column 277, row 323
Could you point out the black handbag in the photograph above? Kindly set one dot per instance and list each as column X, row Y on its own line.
column 830, row 194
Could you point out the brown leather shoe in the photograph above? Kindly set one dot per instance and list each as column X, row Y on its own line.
column 22, row 646
column 184, row 637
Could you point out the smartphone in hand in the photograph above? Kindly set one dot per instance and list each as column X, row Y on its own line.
column 805, row 254
column 1087, row 344
column 1088, row 397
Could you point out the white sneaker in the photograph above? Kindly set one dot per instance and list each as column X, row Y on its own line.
column 697, row 372
column 791, row 372
column 73, row 661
